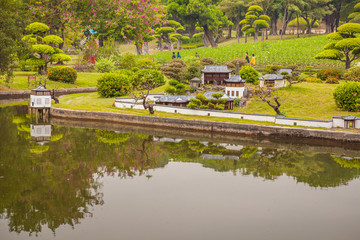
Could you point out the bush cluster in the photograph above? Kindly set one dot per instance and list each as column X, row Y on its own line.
column 353, row 74
column 175, row 88
column 174, row 69
column 332, row 80
column 272, row 69
column 206, row 61
column 326, row 73
column 202, row 102
column 113, row 85
column 104, row 65
column 347, row 96
column 249, row 74
column 62, row 74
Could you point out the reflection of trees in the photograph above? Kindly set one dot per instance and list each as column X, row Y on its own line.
column 59, row 186
column 315, row 169
column 348, row 163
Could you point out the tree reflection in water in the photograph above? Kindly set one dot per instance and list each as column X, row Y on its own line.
column 57, row 183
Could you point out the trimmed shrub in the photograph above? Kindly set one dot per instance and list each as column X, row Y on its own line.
column 113, row 85
column 62, row 74
column 242, row 62
column 326, row 73
column 104, row 65
column 174, row 69
column 272, row 69
column 192, row 70
column 147, row 63
column 353, row 74
column 207, row 61
column 230, row 66
column 219, row 107
column 347, row 96
column 127, row 61
column 313, row 80
column 150, row 77
column 173, row 82
column 332, row 80
column 249, row 74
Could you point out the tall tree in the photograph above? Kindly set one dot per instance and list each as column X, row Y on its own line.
column 313, row 10
column 12, row 22
column 254, row 21
column 235, row 10
column 345, row 46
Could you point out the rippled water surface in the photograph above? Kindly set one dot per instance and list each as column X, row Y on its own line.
column 79, row 180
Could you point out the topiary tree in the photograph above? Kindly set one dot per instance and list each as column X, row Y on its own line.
column 174, row 69
column 249, row 74
column 345, row 46
column 44, row 47
column 355, row 16
column 254, row 21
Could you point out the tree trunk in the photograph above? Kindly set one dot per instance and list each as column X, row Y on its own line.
column 266, row 32
column 262, row 35
column 146, row 48
column 61, row 45
column 192, row 30
column 101, row 41
column 229, row 32
column 169, row 42
column 297, row 27
column 209, row 36
column 205, row 41
column 160, row 44
column 274, row 19
column 245, row 37
column 138, row 48
column 178, row 45
column 256, row 35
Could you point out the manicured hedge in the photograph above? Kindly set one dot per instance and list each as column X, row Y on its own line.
column 62, row 74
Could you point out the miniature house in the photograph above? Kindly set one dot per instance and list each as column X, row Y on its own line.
column 274, row 80
column 235, row 85
column 215, row 74
column 195, row 83
column 40, row 97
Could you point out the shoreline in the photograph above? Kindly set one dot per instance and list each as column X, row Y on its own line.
column 214, row 127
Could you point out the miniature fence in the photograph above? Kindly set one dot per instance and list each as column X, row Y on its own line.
column 335, row 122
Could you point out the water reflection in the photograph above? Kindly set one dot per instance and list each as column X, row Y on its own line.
column 50, row 175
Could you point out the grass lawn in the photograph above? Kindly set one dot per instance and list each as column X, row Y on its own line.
column 299, row 51
column 20, row 81
column 304, row 100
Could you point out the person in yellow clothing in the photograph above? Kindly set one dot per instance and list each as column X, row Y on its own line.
column 253, row 61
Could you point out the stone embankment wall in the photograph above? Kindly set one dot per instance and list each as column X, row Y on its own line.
column 8, row 95
column 206, row 126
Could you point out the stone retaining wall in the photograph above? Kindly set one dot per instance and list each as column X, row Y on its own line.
column 7, row 95
column 206, row 126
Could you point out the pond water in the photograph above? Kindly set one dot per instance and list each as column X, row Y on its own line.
column 79, row 180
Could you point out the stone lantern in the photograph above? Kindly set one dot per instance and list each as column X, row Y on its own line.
column 195, row 83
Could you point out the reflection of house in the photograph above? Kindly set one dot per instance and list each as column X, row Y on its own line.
column 183, row 100
column 274, row 80
column 219, row 157
column 40, row 133
column 215, row 74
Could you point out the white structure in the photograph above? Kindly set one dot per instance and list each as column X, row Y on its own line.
column 40, row 97
column 235, row 87
column 346, row 122
column 274, row 80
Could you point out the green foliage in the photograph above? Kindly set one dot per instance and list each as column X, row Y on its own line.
column 237, row 102
column 174, row 69
column 104, row 65
column 349, row 28
column 127, row 61
column 192, row 105
column 353, row 74
column 113, row 85
column 249, row 74
column 332, row 80
column 326, row 73
column 242, row 62
column 60, row 57
column 173, row 82
column 147, row 63
column 272, row 69
column 148, row 78
column 175, row 88
column 62, row 74
column 42, row 48
column 36, row 27
column 347, row 96
column 217, row 95
column 219, row 107
column 192, row 70
column 52, row 39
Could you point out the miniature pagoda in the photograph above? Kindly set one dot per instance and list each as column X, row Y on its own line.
column 235, row 85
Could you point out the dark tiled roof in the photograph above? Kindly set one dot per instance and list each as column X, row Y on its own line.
column 349, row 118
column 216, row 69
column 235, row 79
column 272, row 77
column 41, row 89
column 175, row 99
column 288, row 70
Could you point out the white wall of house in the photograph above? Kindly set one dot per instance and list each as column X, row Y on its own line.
column 278, row 83
column 235, row 92
column 40, row 101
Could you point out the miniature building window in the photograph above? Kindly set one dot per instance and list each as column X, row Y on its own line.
column 295, row 123
column 269, row 83
column 232, row 93
column 38, row 101
column 237, row 93
column 47, row 101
